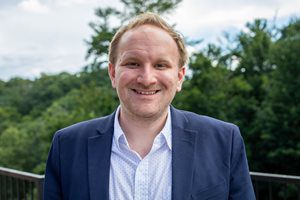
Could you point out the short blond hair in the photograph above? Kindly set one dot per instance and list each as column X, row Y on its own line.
column 151, row 19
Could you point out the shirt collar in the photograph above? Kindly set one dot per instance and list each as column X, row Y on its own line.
column 118, row 132
column 119, row 136
column 167, row 130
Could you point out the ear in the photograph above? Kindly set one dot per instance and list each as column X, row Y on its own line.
column 112, row 74
column 181, row 74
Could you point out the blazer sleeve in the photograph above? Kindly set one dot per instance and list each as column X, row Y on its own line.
column 240, row 181
column 52, row 184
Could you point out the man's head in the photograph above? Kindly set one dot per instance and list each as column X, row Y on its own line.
column 146, row 67
column 149, row 19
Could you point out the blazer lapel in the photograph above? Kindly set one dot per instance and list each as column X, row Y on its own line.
column 183, row 145
column 99, row 151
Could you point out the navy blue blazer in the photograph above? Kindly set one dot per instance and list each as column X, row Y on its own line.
column 208, row 160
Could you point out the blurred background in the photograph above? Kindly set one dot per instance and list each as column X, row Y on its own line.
column 244, row 68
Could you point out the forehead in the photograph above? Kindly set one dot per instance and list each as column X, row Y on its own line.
column 146, row 36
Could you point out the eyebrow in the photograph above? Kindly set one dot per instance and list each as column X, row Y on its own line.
column 136, row 56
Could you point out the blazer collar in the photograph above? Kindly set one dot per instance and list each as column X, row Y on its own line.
column 183, row 143
column 99, row 151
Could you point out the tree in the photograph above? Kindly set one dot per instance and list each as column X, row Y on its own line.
column 13, row 92
column 252, row 54
column 279, row 118
column 9, row 116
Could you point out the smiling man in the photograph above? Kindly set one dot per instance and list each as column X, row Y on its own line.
column 147, row 149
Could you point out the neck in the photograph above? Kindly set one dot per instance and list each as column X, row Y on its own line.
column 141, row 132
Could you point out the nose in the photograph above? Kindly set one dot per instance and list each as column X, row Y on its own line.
column 147, row 76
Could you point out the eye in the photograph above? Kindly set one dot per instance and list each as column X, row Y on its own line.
column 161, row 66
column 132, row 64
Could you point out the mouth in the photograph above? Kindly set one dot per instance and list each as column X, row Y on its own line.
column 145, row 92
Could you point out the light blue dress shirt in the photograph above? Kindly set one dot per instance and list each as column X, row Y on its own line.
column 136, row 178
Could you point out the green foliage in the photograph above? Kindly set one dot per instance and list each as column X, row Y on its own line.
column 13, row 91
column 253, row 49
column 280, row 140
column 8, row 115
column 99, row 43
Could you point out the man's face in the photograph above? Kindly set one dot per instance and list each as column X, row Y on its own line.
column 146, row 74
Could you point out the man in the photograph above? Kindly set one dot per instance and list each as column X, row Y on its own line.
column 147, row 149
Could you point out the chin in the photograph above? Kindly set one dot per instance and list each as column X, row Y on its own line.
column 149, row 113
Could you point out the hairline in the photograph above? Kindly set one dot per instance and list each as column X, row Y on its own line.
column 153, row 20
column 134, row 29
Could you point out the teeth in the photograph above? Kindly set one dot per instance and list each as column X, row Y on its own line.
column 145, row 92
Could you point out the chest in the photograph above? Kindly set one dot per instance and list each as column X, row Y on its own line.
column 134, row 178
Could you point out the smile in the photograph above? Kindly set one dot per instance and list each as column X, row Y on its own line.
column 151, row 92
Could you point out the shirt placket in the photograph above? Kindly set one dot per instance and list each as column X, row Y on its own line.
column 141, row 183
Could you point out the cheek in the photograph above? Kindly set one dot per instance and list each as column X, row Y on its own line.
column 171, row 81
column 124, row 77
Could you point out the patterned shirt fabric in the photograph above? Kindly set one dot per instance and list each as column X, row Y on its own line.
column 136, row 178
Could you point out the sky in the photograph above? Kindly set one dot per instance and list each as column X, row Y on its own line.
column 48, row 36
